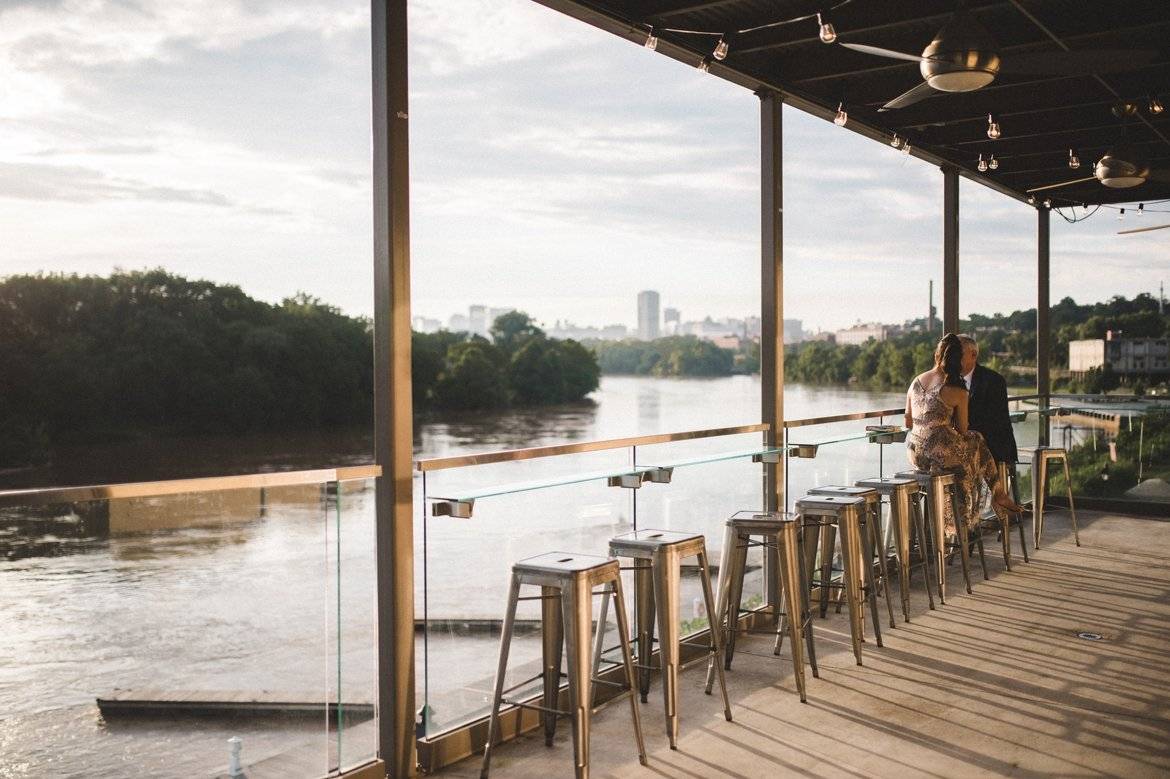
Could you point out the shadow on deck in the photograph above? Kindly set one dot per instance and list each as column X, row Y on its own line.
column 996, row 683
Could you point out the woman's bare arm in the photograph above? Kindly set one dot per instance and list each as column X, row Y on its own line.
column 957, row 398
column 909, row 416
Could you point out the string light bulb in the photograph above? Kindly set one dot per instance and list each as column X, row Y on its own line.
column 1047, row 203
column 1074, row 161
column 1156, row 106
column 841, row 118
column 704, row 65
column 651, row 40
column 982, row 164
column 1031, row 200
column 895, row 141
column 993, row 131
column 906, row 147
column 1121, row 215
column 993, row 163
column 720, row 52
column 1141, row 209
column 828, row 32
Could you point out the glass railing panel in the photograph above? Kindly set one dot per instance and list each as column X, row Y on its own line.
column 845, row 452
column 354, row 663
column 712, row 480
column 463, row 569
column 1119, row 448
column 148, row 632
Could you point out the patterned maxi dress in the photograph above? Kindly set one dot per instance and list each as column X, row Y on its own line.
column 935, row 444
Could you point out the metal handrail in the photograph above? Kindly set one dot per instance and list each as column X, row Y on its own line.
column 532, row 453
column 154, row 489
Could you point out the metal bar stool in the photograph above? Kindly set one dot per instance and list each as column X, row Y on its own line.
column 658, row 556
column 845, row 513
column 910, row 531
column 936, row 488
column 1041, row 456
column 1007, row 477
column 568, row 578
column 780, row 537
column 873, row 544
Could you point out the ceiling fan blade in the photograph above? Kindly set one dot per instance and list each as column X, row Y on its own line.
column 880, row 52
column 1062, row 184
column 1073, row 63
column 1142, row 229
column 910, row 97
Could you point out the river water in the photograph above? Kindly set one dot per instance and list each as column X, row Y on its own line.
column 235, row 597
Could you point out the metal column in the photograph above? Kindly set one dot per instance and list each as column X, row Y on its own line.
column 772, row 289
column 394, row 540
column 950, row 250
column 1043, row 331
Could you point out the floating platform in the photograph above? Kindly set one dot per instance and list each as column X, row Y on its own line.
column 262, row 703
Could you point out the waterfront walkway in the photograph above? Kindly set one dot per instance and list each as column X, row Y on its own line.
column 996, row 683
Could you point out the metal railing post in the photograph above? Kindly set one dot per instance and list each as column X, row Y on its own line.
column 394, row 540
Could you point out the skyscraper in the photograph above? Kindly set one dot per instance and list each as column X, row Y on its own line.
column 648, row 315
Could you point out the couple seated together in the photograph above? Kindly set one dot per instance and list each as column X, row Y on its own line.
column 957, row 413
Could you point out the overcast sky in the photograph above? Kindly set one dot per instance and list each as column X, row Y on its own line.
column 555, row 168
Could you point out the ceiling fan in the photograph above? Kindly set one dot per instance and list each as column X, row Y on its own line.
column 1119, row 168
column 964, row 57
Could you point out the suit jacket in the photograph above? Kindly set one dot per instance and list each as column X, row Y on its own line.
column 987, row 412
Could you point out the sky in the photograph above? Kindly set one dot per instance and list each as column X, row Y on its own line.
column 554, row 168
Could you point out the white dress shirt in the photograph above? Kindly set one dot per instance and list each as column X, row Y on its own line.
column 967, row 379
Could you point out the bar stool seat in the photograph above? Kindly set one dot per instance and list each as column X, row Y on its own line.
column 566, row 581
column 937, row 487
column 844, row 512
column 1041, row 457
column 658, row 556
column 909, row 530
column 781, row 540
column 874, row 574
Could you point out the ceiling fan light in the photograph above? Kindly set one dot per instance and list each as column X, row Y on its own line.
column 1121, row 168
column 827, row 32
column 956, row 80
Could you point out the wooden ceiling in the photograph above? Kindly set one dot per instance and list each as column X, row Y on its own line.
column 1042, row 117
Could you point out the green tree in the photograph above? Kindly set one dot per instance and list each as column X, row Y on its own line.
column 471, row 378
column 512, row 330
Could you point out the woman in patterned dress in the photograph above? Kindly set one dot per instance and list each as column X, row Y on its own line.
column 936, row 413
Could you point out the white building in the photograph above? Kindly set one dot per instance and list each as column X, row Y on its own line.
column 1122, row 355
column 648, row 315
column 861, row 333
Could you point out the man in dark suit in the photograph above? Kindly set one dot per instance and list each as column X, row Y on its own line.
column 987, row 405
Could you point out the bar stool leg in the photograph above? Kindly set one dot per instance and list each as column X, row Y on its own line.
column 869, row 582
column 619, row 607
column 738, row 570
column 800, row 607
column 882, row 575
column 1039, row 488
column 796, row 598
column 1013, row 478
column 851, row 581
column 644, row 614
column 828, row 543
column 900, row 524
column 979, row 546
column 1072, row 509
column 775, row 593
column 925, row 547
column 666, row 599
column 961, row 531
column 721, row 611
column 501, row 671
column 552, row 644
column 938, row 537
column 577, row 607
column 716, row 633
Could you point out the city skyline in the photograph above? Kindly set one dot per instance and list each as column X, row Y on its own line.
column 593, row 168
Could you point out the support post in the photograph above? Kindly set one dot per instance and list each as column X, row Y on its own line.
column 950, row 250
column 1043, row 330
column 772, row 289
column 394, row 535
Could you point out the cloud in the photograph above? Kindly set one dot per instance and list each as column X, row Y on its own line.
column 72, row 183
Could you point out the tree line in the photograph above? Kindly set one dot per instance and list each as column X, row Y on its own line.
column 92, row 358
